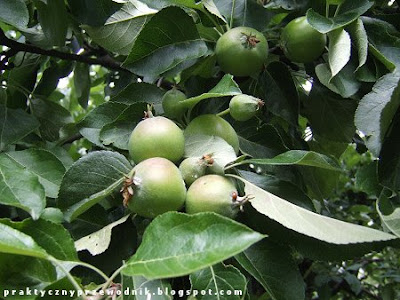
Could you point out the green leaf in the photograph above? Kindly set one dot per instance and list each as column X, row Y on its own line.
column 272, row 265
column 347, row 13
column 331, row 116
column 344, row 83
column 389, row 160
column 21, row 272
column 20, row 187
column 320, row 182
column 367, row 179
column 98, row 241
column 199, row 145
column 219, row 278
column 328, row 147
column 225, row 87
column 118, row 132
column 385, row 39
column 381, row 58
column 3, row 96
column 61, row 154
column 280, row 188
column 121, row 29
column 354, row 283
column 100, row 124
column 90, row 179
column 93, row 12
column 204, row 239
column 297, row 157
column 21, row 79
column 47, row 167
column 14, row 12
column 210, row 6
column 51, row 237
column 90, row 127
column 377, row 109
column 51, row 77
column 82, row 83
column 141, row 92
column 15, row 125
column 311, row 224
column 287, row 4
column 61, row 285
column 15, row 242
column 276, row 87
column 242, row 13
column 53, row 19
column 260, row 141
column 205, row 67
column 339, row 50
column 389, row 215
column 52, row 118
column 141, row 284
column 165, row 43
column 360, row 40
column 160, row 4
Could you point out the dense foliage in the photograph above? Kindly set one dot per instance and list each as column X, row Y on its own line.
column 312, row 154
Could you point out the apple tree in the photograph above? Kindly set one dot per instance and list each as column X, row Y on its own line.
column 200, row 149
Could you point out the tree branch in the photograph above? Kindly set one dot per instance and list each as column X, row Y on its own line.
column 15, row 47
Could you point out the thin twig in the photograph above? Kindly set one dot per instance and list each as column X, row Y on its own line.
column 105, row 61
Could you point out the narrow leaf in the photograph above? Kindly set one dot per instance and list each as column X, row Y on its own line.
column 204, row 239
column 339, row 50
column 225, row 87
column 297, row 157
column 311, row 224
column 360, row 39
column 82, row 83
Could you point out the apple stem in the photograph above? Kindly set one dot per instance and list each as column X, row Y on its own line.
column 223, row 113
